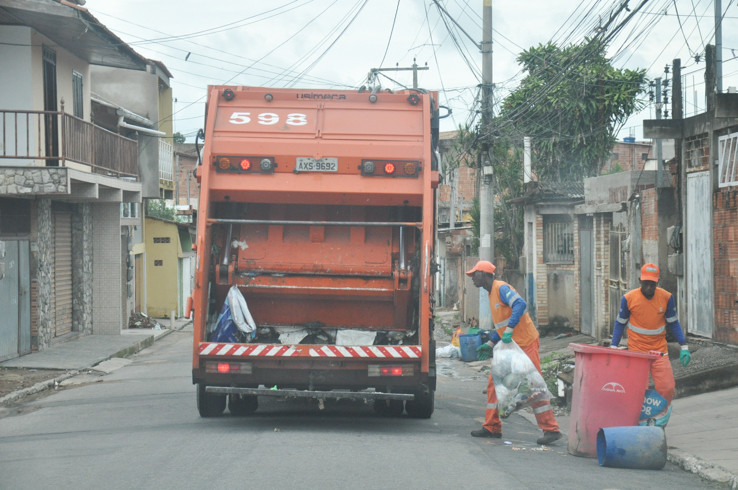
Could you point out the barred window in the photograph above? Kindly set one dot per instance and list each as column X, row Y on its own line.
column 558, row 239
column 728, row 160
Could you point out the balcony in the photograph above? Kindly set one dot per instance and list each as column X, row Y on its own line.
column 58, row 139
column 54, row 153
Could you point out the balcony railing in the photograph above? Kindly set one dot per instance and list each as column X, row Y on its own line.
column 58, row 138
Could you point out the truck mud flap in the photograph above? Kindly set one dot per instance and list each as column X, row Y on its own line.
column 337, row 394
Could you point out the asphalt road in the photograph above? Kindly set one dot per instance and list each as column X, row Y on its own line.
column 138, row 427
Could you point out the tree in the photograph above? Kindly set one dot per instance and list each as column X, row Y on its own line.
column 571, row 103
column 178, row 137
column 157, row 208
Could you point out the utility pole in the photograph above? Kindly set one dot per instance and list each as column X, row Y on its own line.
column 486, row 198
column 659, row 166
column 414, row 68
column 719, row 45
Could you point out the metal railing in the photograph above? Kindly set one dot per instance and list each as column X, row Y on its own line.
column 58, row 137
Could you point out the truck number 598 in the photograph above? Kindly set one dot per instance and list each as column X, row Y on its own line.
column 268, row 118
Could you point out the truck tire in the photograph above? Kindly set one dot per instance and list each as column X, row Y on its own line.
column 423, row 405
column 389, row 408
column 208, row 404
column 240, row 405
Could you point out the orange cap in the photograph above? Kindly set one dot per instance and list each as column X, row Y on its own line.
column 650, row 272
column 484, row 266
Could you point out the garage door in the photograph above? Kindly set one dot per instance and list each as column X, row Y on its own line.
column 63, row 273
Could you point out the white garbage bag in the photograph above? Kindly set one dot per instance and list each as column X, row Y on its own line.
column 517, row 381
column 241, row 315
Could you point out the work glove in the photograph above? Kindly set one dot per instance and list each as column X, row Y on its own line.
column 507, row 335
column 483, row 352
column 685, row 356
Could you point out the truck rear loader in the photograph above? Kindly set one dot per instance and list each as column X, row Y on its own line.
column 319, row 207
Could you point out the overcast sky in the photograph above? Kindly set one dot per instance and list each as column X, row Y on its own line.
column 335, row 43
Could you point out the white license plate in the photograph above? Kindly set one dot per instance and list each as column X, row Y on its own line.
column 316, row 165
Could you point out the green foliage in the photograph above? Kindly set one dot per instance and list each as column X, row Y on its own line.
column 178, row 137
column 616, row 169
column 571, row 102
column 157, row 208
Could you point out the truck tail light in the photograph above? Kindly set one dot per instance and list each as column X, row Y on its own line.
column 389, row 168
column 390, row 370
column 226, row 367
column 245, row 164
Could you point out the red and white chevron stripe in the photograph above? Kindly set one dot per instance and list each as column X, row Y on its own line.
column 332, row 351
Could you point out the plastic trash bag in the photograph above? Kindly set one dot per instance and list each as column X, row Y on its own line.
column 234, row 323
column 517, row 381
column 450, row 351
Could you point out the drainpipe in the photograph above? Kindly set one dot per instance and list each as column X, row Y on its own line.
column 140, row 129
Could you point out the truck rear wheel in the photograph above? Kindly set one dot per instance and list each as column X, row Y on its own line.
column 423, row 405
column 240, row 405
column 389, row 408
column 208, row 404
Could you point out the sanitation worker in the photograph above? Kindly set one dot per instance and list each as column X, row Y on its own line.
column 646, row 312
column 511, row 322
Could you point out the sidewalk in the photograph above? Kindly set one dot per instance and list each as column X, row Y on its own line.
column 86, row 352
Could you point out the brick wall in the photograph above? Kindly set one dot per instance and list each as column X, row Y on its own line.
column 725, row 253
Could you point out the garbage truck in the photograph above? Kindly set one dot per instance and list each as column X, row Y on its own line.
column 316, row 223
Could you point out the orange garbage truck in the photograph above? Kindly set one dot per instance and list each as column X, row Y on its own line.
column 316, row 228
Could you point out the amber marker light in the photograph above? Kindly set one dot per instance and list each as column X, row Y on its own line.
column 224, row 163
column 410, row 168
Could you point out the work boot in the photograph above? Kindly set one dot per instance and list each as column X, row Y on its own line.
column 485, row 433
column 548, row 438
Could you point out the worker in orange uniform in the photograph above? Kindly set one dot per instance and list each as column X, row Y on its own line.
column 511, row 322
column 646, row 312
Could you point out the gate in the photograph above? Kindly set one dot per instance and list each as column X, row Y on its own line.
column 618, row 281
column 15, row 299
column 586, row 274
column 700, row 316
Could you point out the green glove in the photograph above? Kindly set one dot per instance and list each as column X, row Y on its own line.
column 507, row 335
column 685, row 356
column 483, row 352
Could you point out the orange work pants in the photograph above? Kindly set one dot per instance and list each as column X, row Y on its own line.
column 663, row 377
column 542, row 410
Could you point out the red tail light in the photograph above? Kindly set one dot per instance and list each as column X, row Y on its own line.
column 245, row 164
column 389, row 168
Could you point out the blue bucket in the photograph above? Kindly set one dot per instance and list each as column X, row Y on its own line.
column 638, row 447
column 468, row 345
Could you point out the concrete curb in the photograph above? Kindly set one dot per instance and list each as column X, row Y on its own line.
column 37, row 388
column 705, row 470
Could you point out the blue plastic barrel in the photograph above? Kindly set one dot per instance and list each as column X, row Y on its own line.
column 468, row 346
column 638, row 447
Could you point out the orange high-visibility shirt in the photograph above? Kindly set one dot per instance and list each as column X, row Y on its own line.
column 525, row 332
column 647, row 321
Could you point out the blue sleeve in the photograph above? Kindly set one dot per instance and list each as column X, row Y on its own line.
column 672, row 320
column 620, row 322
column 512, row 299
column 495, row 337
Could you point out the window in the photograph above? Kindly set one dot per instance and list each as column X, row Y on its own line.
column 15, row 217
column 728, row 159
column 78, row 95
column 558, row 239
column 158, row 263
column 129, row 210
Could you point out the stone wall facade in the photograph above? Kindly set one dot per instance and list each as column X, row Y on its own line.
column 24, row 180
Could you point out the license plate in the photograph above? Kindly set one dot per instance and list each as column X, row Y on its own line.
column 316, row 165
